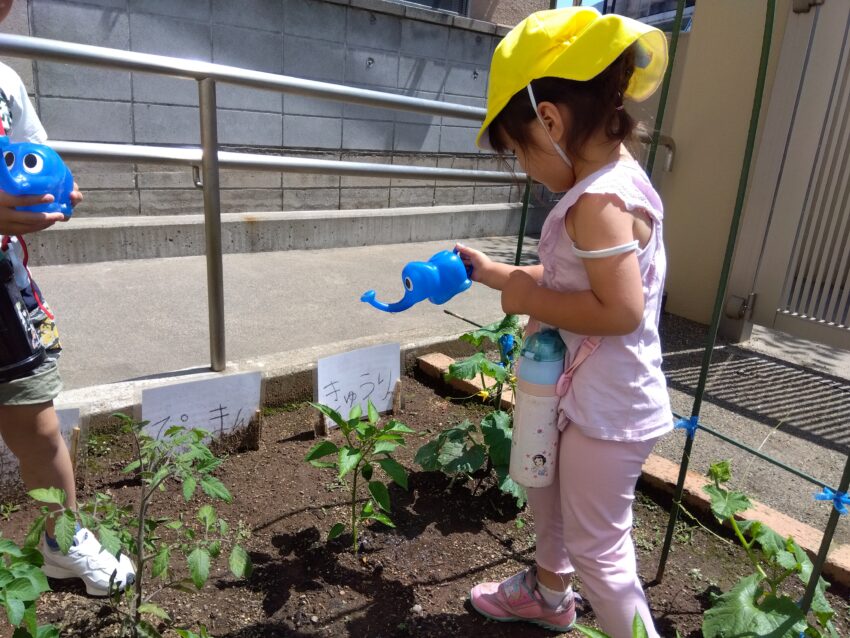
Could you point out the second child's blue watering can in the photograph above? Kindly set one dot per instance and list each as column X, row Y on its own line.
column 438, row 280
column 36, row 169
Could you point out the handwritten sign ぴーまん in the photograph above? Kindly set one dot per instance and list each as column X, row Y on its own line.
column 356, row 377
column 220, row 405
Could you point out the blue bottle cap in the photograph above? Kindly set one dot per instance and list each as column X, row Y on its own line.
column 545, row 345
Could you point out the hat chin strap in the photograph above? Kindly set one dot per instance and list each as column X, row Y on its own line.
column 555, row 145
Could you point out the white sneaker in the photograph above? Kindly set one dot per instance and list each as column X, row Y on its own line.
column 87, row 560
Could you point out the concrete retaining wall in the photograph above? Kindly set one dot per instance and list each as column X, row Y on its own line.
column 375, row 44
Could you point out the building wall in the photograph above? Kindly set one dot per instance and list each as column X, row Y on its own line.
column 708, row 117
column 506, row 12
column 375, row 44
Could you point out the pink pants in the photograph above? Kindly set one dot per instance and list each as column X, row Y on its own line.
column 583, row 523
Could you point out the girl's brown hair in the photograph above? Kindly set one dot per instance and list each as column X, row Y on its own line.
column 593, row 105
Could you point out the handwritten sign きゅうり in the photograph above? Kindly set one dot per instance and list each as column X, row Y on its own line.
column 356, row 377
column 220, row 405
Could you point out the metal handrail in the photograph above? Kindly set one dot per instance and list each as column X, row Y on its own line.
column 278, row 163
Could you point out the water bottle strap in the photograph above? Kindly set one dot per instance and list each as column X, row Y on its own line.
column 588, row 347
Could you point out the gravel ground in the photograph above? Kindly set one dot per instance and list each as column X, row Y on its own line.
column 788, row 398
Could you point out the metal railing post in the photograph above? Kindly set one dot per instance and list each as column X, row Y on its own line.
column 212, row 221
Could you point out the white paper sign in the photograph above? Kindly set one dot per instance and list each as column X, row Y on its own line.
column 220, row 406
column 355, row 377
column 69, row 418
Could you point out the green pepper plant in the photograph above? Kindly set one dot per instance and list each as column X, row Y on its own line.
column 368, row 446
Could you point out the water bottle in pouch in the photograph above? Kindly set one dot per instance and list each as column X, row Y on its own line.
column 534, row 443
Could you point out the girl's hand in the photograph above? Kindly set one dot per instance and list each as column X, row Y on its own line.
column 480, row 263
column 516, row 291
column 76, row 195
column 20, row 222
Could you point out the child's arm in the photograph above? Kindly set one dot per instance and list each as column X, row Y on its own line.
column 492, row 273
column 614, row 304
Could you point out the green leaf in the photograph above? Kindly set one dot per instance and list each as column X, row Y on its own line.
column 336, row 530
column 206, row 514
column 65, row 528
column 146, row 630
column 8, row 548
column 397, row 427
column 47, row 631
column 321, row 449
column 35, row 532
column 394, row 470
column 189, row 485
column 109, row 539
column 638, row 627
column 21, row 589
column 215, row 488
column 470, row 459
column 385, row 447
column 497, row 431
column 240, row 562
column 52, row 495
column 725, row 504
column 381, row 495
column 348, row 460
column 355, row 415
column 199, row 566
column 154, row 610
column 720, row 472
column 373, row 412
column 468, row 368
column 159, row 567
column 381, row 518
column 15, row 611
column 736, row 613
column 366, row 471
column 427, row 456
column 508, row 486
column 509, row 324
column 332, row 414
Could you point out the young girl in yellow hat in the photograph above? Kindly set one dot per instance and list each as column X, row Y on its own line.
column 555, row 100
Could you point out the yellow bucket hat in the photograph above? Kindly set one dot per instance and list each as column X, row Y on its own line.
column 574, row 43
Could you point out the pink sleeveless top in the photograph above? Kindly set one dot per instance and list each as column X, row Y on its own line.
column 619, row 392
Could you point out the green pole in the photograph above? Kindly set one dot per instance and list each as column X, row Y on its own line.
column 665, row 88
column 826, row 541
column 724, row 277
column 523, row 221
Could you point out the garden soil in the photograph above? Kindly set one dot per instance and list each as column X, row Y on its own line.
column 411, row 580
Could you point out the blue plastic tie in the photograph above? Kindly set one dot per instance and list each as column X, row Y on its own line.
column 506, row 345
column 690, row 425
column 840, row 500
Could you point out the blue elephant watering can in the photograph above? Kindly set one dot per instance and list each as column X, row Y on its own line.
column 36, row 169
column 438, row 280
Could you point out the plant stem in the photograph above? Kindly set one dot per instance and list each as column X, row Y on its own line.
column 354, row 508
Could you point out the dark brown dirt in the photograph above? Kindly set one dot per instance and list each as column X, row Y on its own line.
column 409, row 581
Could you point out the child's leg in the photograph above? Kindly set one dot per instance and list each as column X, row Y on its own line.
column 554, row 566
column 597, row 488
column 32, row 433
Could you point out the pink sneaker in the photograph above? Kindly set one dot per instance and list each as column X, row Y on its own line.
column 517, row 598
